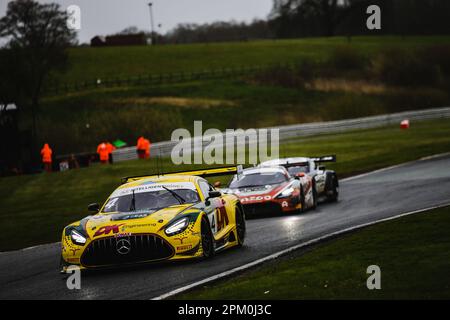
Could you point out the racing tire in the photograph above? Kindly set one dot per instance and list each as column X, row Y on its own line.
column 240, row 227
column 207, row 239
column 314, row 191
column 334, row 189
column 302, row 200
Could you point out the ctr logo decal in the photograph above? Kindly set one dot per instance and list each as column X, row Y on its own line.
column 108, row 229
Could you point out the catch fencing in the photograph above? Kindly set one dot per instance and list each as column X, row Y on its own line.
column 164, row 149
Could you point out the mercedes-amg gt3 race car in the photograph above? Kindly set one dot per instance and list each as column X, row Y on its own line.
column 147, row 219
column 272, row 190
column 326, row 181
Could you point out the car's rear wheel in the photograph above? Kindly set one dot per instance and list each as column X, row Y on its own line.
column 207, row 239
column 334, row 189
column 314, row 194
column 240, row 227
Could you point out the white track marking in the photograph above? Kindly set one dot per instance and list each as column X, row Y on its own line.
column 288, row 250
column 396, row 166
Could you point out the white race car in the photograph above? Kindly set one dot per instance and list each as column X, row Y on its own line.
column 326, row 181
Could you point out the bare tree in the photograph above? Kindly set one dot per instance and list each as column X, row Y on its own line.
column 39, row 36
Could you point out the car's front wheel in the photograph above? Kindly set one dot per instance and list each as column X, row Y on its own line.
column 302, row 200
column 207, row 239
column 240, row 226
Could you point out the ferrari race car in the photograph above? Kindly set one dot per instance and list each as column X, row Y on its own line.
column 326, row 181
column 272, row 190
column 168, row 217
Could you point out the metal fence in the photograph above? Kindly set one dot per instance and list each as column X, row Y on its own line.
column 164, row 149
column 158, row 79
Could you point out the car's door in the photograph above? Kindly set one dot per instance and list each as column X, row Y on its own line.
column 215, row 209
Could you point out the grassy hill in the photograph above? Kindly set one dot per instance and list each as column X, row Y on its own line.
column 93, row 63
column 343, row 86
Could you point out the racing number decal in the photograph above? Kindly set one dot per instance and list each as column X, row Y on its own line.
column 218, row 216
column 222, row 218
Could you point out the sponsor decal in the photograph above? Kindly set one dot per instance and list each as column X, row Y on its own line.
column 108, row 229
column 123, row 234
column 285, row 204
column 152, row 187
column 100, row 217
column 130, row 216
column 181, row 239
column 184, row 248
column 256, row 198
column 140, row 226
column 74, row 251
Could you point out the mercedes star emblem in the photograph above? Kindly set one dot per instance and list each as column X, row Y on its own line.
column 123, row 246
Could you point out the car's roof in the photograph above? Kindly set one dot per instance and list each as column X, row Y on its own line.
column 161, row 179
column 284, row 161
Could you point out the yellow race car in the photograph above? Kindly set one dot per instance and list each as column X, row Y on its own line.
column 174, row 216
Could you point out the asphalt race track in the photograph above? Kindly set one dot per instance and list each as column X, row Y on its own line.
column 34, row 273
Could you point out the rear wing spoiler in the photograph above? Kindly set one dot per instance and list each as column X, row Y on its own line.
column 204, row 173
column 330, row 158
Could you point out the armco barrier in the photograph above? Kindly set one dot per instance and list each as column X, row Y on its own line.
column 164, row 149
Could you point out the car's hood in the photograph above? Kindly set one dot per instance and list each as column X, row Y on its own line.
column 117, row 224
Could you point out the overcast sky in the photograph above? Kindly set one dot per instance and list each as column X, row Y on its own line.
column 102, row 17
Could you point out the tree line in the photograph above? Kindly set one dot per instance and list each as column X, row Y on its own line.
column 312, row 18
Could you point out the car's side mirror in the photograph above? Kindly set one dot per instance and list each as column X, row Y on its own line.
column 214, row 194
column 217, row 184
column 94, row 207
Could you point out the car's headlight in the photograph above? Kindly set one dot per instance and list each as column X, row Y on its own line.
column 177, row 227
column 286, row 193
column 77, row 238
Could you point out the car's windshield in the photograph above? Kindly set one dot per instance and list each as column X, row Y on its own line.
column 298, row 169
column 151, row 197
column 258, row 179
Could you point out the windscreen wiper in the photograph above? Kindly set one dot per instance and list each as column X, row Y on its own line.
column 249, row 186
column 180, row 199
column 133, row 203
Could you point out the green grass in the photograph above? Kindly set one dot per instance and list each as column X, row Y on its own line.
column 412, row 252
column 89, row 64
column 126, row 112
column 35, row 208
